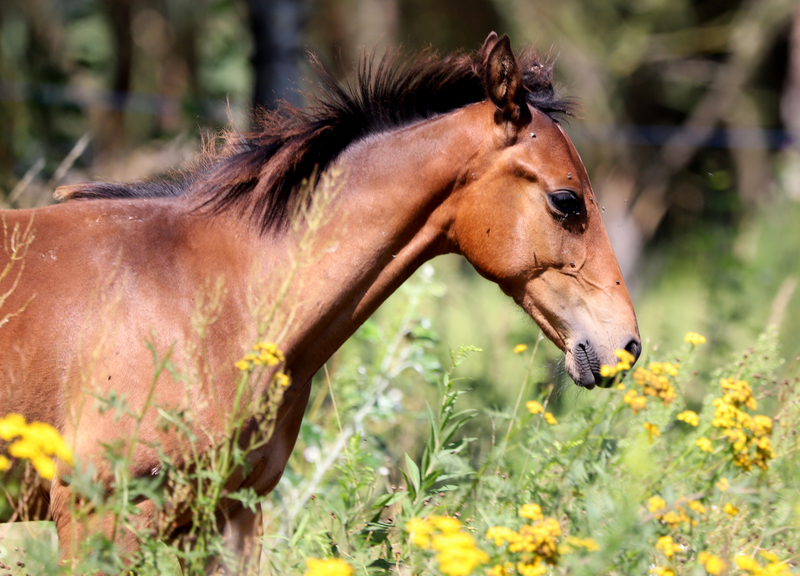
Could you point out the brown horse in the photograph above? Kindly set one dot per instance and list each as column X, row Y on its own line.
column 461, row 154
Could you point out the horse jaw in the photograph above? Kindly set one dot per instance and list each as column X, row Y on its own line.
column 588, row 325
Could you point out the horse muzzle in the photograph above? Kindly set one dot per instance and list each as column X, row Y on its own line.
column 583, row 362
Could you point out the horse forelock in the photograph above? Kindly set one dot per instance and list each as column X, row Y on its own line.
column 260, row 172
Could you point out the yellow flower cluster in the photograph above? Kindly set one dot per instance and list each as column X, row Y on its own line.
column 535, row 407
column 751, row 567
column 674, row 518
column 263, row 354
column 537, row 542
column 713, row 564
column 328, row 567
column 656, row 503
column 636, row 402
column 744, row 432
column 655, row 382
column 624, row 364
column 653, row 430
column 574, row 542
column 690, row 417
column 668, row 546
column 704, row 444
column 37, row 442
column 694, row 338
column 457, row 552
column 505, row 569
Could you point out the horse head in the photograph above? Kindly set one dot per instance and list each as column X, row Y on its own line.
column 527, row 219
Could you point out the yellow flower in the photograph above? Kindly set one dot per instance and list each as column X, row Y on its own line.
column 270, row 348
column 770, row 557
column 607, row 371
column 697, row 507
column 626, row 359
column 5, row 463
column 674, row 518
column 748, row 563
column 656, row 503
column 534, row 407
column 520, row 348
column 550, row 419
column 500, row 535
column 263, row 354
column 535, row 568
column 620, row 386
column 11, row 426
column 723, row 485
column 704, row 444
column 420, row 531
column 690, row 417
column 588, row 543
column 635, row 401
column 445, row 524
column 499, row 570
column 625, row 356
column 713, row 564
column 761, row 425
column 24, row 449
column 670, row 369
column 36, row 442
column 458, row 555
column 45, row 466
column 730, row 509
column 531, row 512
column 328, row 567
column 281, row 379
column 666, row 545
column 694, row 338
column 48, row 439
column 653, row 430
column 662, row 571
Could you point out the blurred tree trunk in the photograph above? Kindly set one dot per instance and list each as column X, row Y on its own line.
column 111, row 128
column 790, row 102
column 277, row 27
column 43, row 60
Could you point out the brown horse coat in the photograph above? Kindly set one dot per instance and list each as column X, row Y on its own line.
column 460, row 154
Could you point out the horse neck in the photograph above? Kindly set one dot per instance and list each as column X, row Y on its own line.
column 393, row 213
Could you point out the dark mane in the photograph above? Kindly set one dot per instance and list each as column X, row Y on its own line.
column 260, row 172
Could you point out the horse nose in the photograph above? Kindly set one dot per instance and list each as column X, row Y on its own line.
column 634, row 347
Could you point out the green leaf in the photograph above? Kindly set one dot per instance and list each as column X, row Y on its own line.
column 413, row 474
column 387, row 500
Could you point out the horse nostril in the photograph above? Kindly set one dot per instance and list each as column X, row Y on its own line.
column 634, row 347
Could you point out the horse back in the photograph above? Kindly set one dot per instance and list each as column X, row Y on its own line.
column 95, row 294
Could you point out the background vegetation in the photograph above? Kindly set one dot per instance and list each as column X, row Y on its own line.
column 689, row 129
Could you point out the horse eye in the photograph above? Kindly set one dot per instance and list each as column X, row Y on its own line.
column 565, row 202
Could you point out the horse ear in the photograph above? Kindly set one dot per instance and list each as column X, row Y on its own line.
column 502, row 78
column 488, row 44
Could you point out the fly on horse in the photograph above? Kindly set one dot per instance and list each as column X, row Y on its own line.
column 459, row 154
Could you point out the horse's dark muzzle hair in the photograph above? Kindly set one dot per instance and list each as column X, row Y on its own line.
column 589, row 364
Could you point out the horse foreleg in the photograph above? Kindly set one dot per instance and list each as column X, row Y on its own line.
column 74, row 526
column 241, row 536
